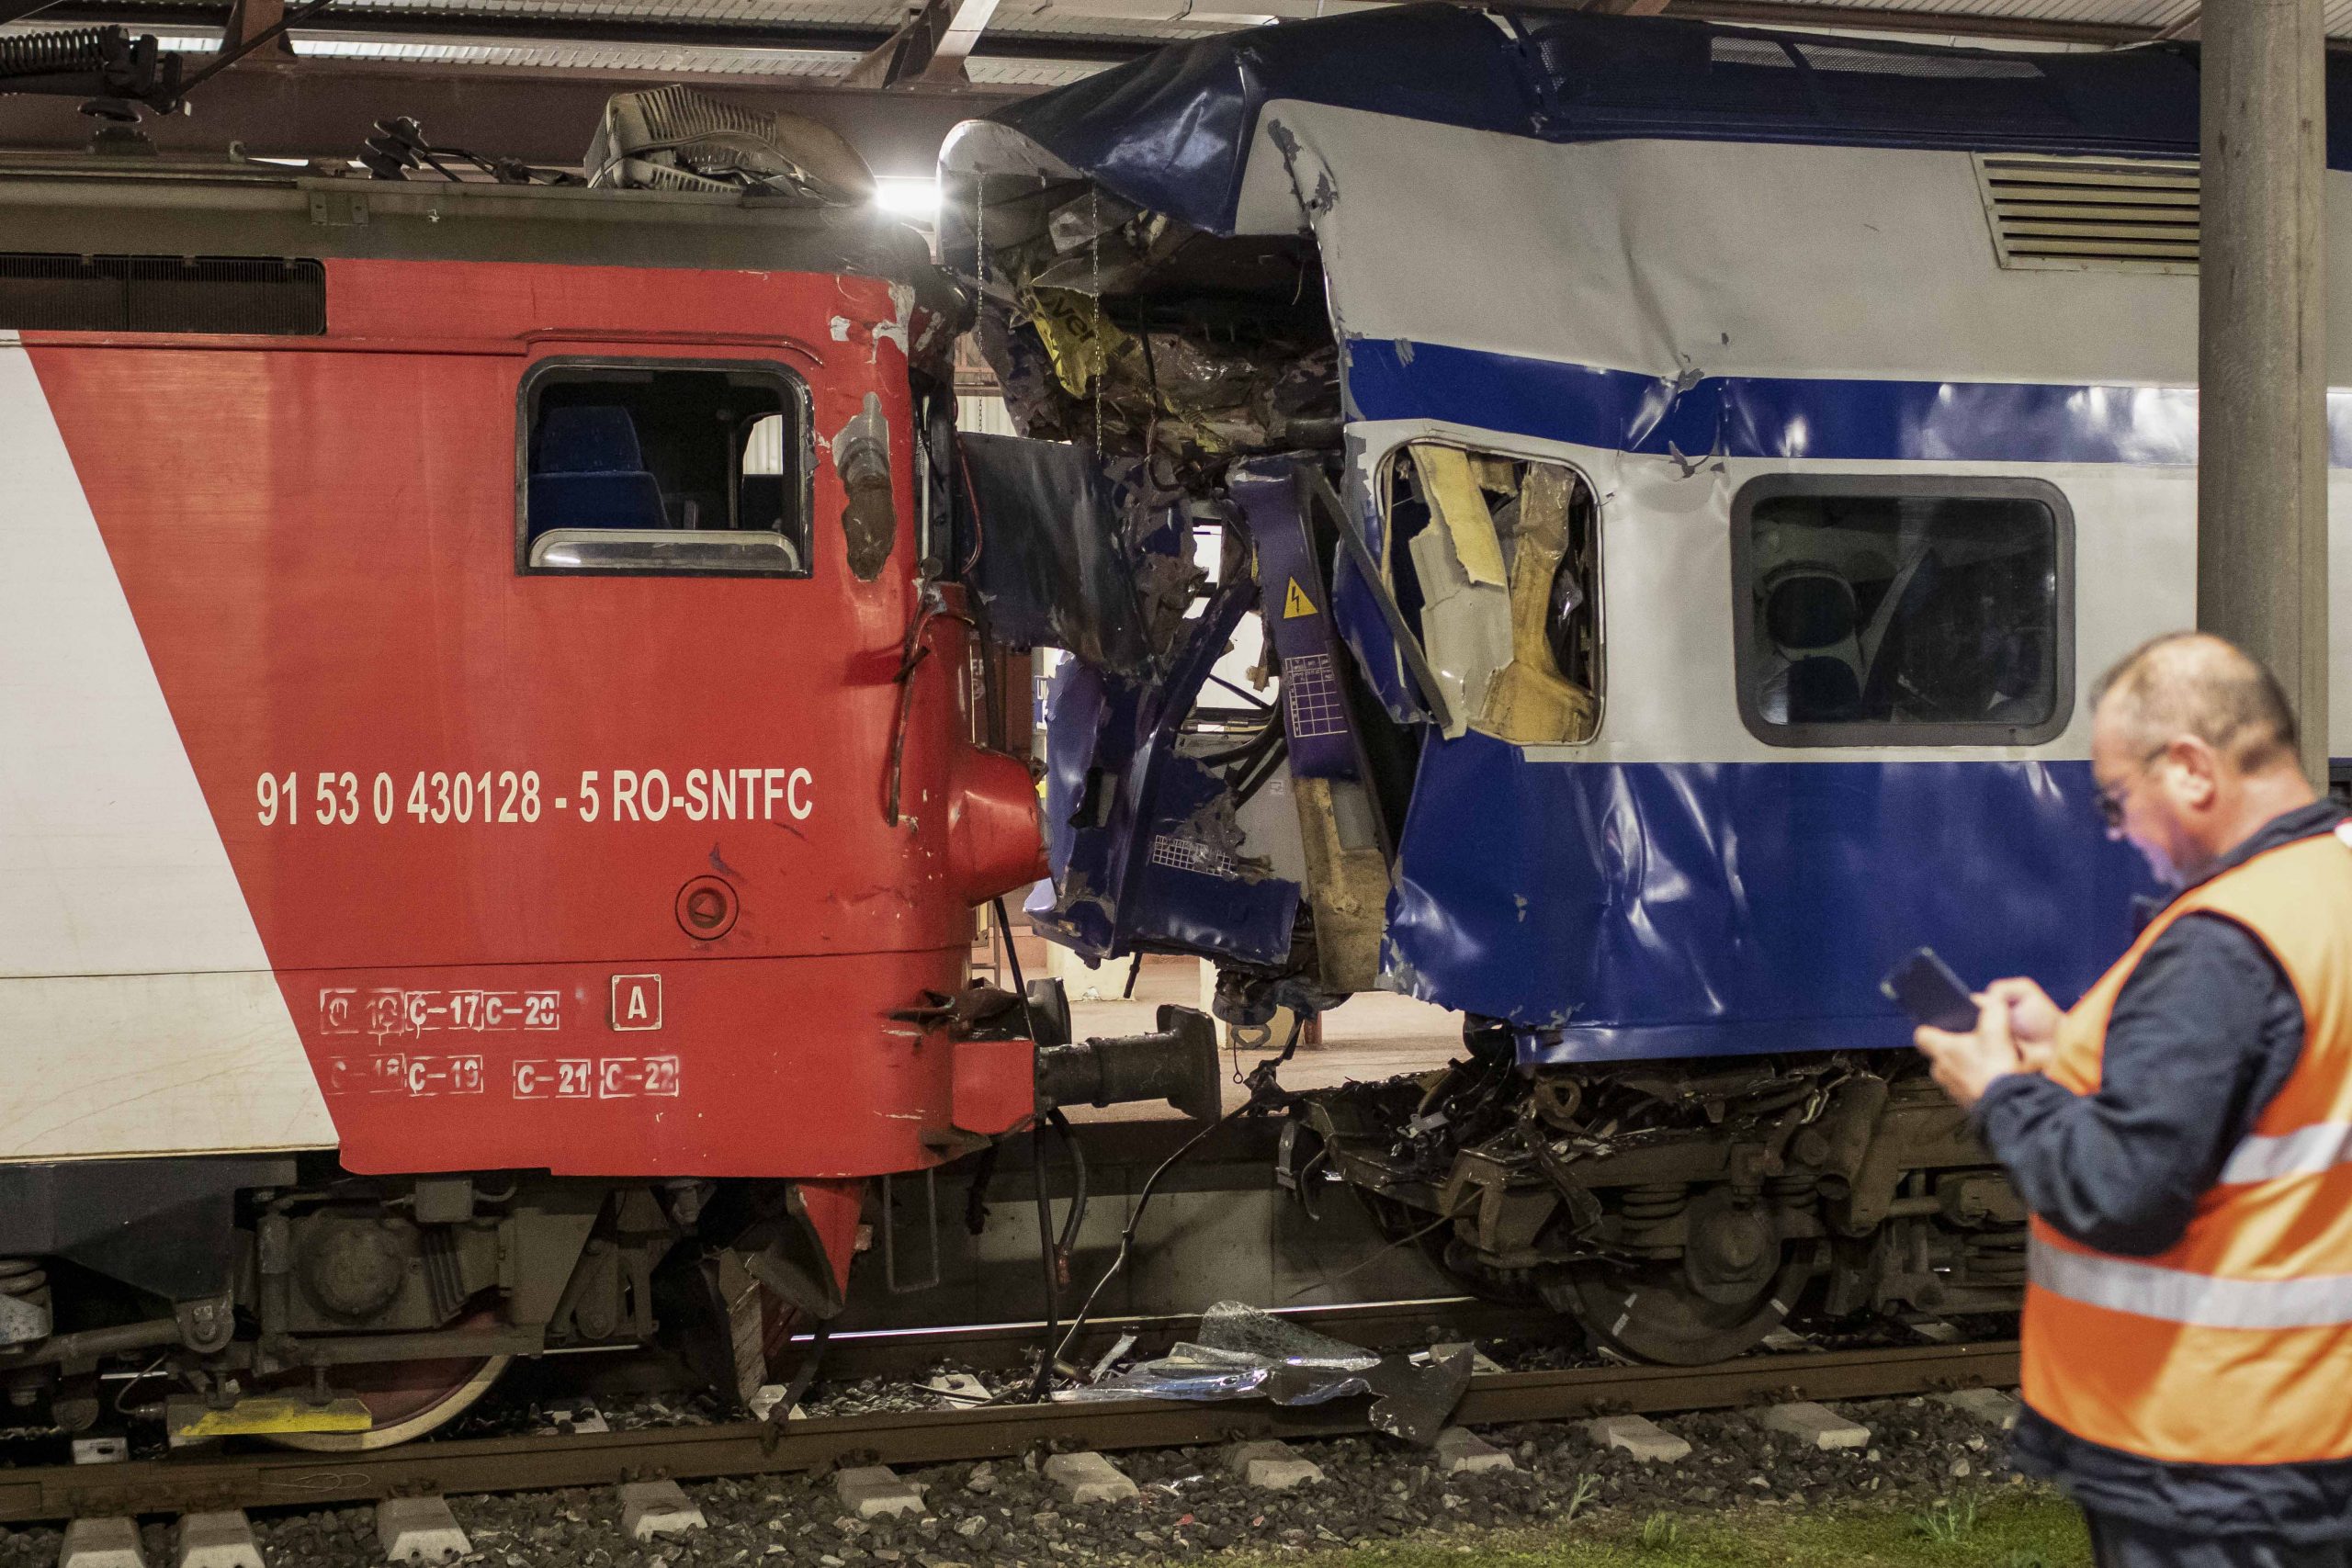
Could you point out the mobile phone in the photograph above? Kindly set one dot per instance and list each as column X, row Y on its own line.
column 1924, row 986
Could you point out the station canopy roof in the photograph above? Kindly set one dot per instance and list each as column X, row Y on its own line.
column 527, row 78
column 1018, row 45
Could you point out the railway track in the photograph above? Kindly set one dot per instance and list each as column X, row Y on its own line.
column 188, row 1484
column 1375, row 1325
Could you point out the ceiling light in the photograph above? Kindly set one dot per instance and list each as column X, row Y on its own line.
column 914, row 199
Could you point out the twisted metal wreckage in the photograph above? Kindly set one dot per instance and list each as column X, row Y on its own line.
column 1373, row 332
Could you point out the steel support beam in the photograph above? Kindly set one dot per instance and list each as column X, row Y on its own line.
column 321, row 108
column 2261, row 353
column 249, row 20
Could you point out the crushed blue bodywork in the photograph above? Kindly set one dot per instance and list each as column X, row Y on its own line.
column 1141, row 841
column 1658, row 910
column 1602, row 909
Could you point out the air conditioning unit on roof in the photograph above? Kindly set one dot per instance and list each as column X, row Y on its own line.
column 676, row 139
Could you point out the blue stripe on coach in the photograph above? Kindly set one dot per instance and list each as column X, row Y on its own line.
column 1689, row 909
column 1758, row 416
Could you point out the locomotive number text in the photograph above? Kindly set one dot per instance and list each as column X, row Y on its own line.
column 503, row 795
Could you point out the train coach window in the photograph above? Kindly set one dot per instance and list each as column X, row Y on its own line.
column 670, row 467
column 1901, row 611
column 1498, row 560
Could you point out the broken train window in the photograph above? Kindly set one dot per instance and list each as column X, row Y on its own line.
column 1898, row 609
column 1498, row 561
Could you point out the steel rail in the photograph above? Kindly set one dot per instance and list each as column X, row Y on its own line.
column 515, row 1464
column 1377, row 1325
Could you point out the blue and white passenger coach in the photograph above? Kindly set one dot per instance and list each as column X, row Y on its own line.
column 1685, row 480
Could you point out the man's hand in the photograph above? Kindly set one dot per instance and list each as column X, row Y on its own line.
column 1965, row 1063
column 2033, row 1019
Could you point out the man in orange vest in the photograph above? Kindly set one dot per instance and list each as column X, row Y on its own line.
column 2183, row 1135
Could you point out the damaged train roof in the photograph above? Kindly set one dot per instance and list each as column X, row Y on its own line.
column 1173, row 131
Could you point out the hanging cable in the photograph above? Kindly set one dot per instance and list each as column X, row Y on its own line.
column 1263, row 775
column 1127, row 1236
column 1076, row 1185
column 1044, row 1380
column 1251, row 749
column 1043, row 1383
column 1253, row 698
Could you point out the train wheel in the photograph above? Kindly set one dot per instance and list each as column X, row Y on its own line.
column 407, row 1400
column 1651, row 1312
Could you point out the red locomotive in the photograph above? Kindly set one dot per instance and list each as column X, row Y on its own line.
column 484, row 755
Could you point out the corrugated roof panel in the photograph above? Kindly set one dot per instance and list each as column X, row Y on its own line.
column 1042, row 21
column 870, row 14
column 778, row 63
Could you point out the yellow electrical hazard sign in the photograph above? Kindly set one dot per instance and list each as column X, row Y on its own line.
column 1296, row 603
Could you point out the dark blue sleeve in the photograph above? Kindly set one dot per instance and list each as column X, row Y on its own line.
column 2203, row 1034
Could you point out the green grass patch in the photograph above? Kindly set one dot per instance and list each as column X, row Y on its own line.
column 2043, row 1531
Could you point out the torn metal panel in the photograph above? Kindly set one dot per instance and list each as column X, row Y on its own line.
column 1367, row 614
column 1138, row 334
column 1339, row 826
column 1458, row 564
column 1501, row 558
column 1192, row 891
column 1086, row 220
column 1145, row 845
column 1047, row 557
column 1347, row 874
column 1090, row 733
column 1464, row 624
column 1360, row 605
column 1530, row 702
column 1192, row 394
column 1195, row 890
column 1243, row 1352
column 1453, row 482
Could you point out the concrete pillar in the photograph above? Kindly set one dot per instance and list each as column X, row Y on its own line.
column 2261, row 363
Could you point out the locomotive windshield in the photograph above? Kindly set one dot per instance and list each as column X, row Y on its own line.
column 664, row 467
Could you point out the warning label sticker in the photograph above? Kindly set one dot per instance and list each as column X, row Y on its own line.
column 1296, row 603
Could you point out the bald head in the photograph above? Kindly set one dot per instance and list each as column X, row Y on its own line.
column 2188, row 683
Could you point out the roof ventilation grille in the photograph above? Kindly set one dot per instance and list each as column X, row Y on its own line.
column 2077, row 214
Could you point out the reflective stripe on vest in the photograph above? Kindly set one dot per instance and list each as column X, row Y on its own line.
column 2171, row 1296
column 2306, row 1151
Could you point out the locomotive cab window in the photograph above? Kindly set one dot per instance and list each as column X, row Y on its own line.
column 1496, row 559
column 668, row 468
column 1894, row 610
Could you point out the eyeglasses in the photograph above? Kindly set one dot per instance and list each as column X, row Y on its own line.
column 2111, row 799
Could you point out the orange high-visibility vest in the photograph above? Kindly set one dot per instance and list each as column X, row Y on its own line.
column 2235, row 1345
